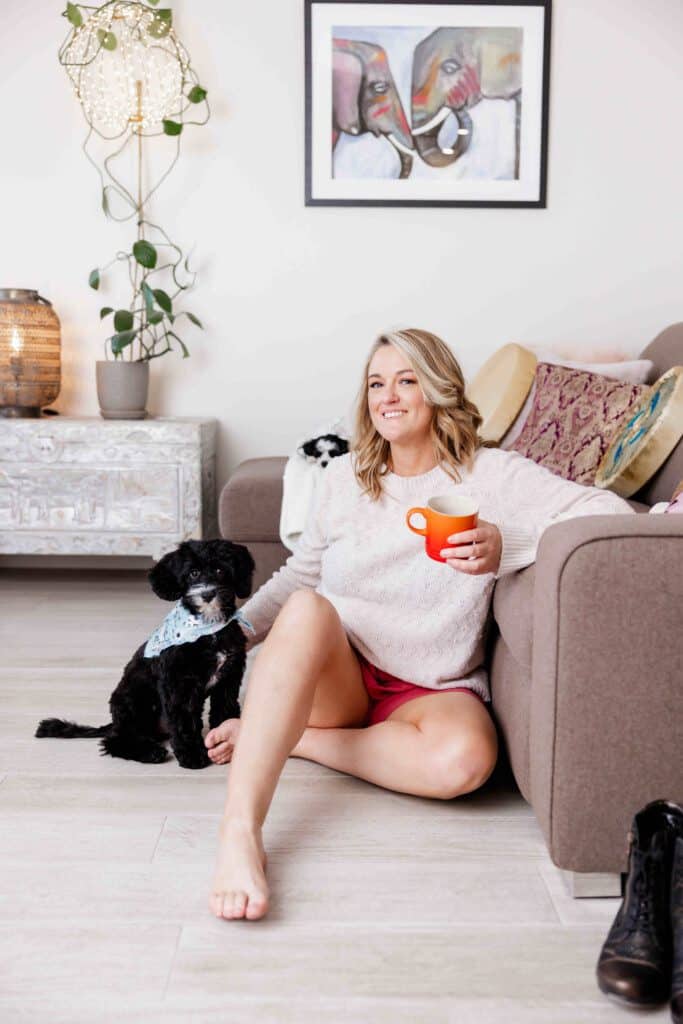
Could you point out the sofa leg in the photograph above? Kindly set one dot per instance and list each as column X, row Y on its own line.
column 582, row 884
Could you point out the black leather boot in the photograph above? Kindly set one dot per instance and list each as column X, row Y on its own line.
column 677, row 930
column 635, row 962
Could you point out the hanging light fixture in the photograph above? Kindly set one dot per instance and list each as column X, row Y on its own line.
column 30, row 352
column 124, row 53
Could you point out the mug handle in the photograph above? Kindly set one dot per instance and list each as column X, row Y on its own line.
column 416, row 529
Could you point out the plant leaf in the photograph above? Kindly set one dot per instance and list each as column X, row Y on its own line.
column 196, row 94
column 105, row 202
column 148, row 296
column 105, row 311
column 192, row 317
column 153, row 2
column 74, row 15
column 94, row 279
column 107, row 39
column 186, row 354
column 145, row 254
column 120, row 341
column 172, row 127
column 163, row 300
column 155, row 317
column 160, row 24
column 123, row 320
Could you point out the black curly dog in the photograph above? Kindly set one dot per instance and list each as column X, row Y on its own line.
column 163, row 697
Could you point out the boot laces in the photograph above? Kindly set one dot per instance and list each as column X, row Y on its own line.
column 640, row 912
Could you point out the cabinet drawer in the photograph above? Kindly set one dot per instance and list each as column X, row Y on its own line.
column 67, row 497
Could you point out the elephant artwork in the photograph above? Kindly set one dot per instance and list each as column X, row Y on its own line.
column 365, row 98
column 455, row 68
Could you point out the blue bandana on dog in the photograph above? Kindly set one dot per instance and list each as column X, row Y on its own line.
column 183, row 627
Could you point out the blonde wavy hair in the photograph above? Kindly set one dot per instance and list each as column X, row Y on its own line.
column 455, row 420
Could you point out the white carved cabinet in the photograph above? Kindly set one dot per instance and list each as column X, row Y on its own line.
column 105, row 487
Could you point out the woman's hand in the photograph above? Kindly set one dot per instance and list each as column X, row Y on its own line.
column 478, row 550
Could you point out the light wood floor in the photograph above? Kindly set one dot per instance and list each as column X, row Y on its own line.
column 385, row 907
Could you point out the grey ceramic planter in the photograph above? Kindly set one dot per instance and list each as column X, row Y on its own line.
column 122, row 389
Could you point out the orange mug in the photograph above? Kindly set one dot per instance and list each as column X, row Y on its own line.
column 445, row 516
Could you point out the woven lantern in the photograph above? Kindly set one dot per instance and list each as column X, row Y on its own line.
column 30, row 368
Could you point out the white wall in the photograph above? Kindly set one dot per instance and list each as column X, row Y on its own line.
column 292, row 296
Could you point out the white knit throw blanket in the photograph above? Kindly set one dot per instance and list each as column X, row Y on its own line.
column 300, row 482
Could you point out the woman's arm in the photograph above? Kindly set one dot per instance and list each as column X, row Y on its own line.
column 301, row 571
column 532, row 499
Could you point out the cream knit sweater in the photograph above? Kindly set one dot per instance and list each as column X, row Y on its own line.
column 416, row 618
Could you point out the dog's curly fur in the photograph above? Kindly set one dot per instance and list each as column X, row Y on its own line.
column 163, row 697
column 321, row 450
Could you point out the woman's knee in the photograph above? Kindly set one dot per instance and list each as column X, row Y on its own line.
column 464, row 768
column 304, row 607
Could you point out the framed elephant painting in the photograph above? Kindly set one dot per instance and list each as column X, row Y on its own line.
column 426, row 104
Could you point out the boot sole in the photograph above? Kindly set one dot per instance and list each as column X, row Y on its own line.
column 622, row 1000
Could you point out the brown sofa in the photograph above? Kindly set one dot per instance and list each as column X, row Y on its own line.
column 585, row 657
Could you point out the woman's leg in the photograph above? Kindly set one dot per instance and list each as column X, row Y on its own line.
column 442, row 746
column 306, row 642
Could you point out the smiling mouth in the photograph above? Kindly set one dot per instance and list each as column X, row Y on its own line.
column 394, row 414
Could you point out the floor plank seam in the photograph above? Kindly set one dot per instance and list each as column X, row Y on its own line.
column 537, row 868
column 161, row 832
column 172, row 963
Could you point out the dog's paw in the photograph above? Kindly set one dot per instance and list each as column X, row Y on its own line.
column 199, row 760
column 145, row 751
column 157, row 755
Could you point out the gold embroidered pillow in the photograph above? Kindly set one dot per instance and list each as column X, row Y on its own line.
column 574, row 416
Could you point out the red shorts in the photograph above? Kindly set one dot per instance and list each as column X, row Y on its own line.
column 387, row 692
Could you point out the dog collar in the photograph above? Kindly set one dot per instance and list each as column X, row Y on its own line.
column 183, row 627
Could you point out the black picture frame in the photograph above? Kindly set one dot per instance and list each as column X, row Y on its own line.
column 488, row 61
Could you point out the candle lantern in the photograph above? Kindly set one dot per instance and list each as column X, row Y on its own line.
column 30, row 364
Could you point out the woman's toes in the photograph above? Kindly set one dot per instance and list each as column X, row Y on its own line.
column 225, row 753
column 225, row 732
column 256, row 908
column 233, row 905
column 216, row 903
column 239, row 902
column 212, row 737
column 218, row 752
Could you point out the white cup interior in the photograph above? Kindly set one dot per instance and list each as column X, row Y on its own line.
column 453, row 505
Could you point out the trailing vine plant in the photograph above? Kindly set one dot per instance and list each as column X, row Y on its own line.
column 134, row 81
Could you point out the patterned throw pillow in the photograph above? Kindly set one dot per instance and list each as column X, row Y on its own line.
column 575, row 415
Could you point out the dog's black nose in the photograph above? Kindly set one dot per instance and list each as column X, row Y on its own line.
column 208, row 595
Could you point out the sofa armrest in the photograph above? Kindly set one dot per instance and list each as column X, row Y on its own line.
column 250, row 502
column 607, row 669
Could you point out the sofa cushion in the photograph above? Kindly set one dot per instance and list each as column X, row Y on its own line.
column 500, row 388
column 574, row 416
column 513, row 602
column 646, row 439
column 510, row 685
column 665, row 351
column 637, row 371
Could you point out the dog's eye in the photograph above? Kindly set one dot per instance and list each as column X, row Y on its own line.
column 194, row 574
column 219, row 573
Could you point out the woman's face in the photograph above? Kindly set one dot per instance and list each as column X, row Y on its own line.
column 396, row 404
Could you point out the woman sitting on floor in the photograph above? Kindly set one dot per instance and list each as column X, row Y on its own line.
column 373, row 653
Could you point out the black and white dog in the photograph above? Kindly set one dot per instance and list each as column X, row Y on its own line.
column 197, row 652
column 321, row 450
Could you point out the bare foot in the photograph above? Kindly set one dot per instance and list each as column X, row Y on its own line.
column 239, row 885
column 220, row 742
